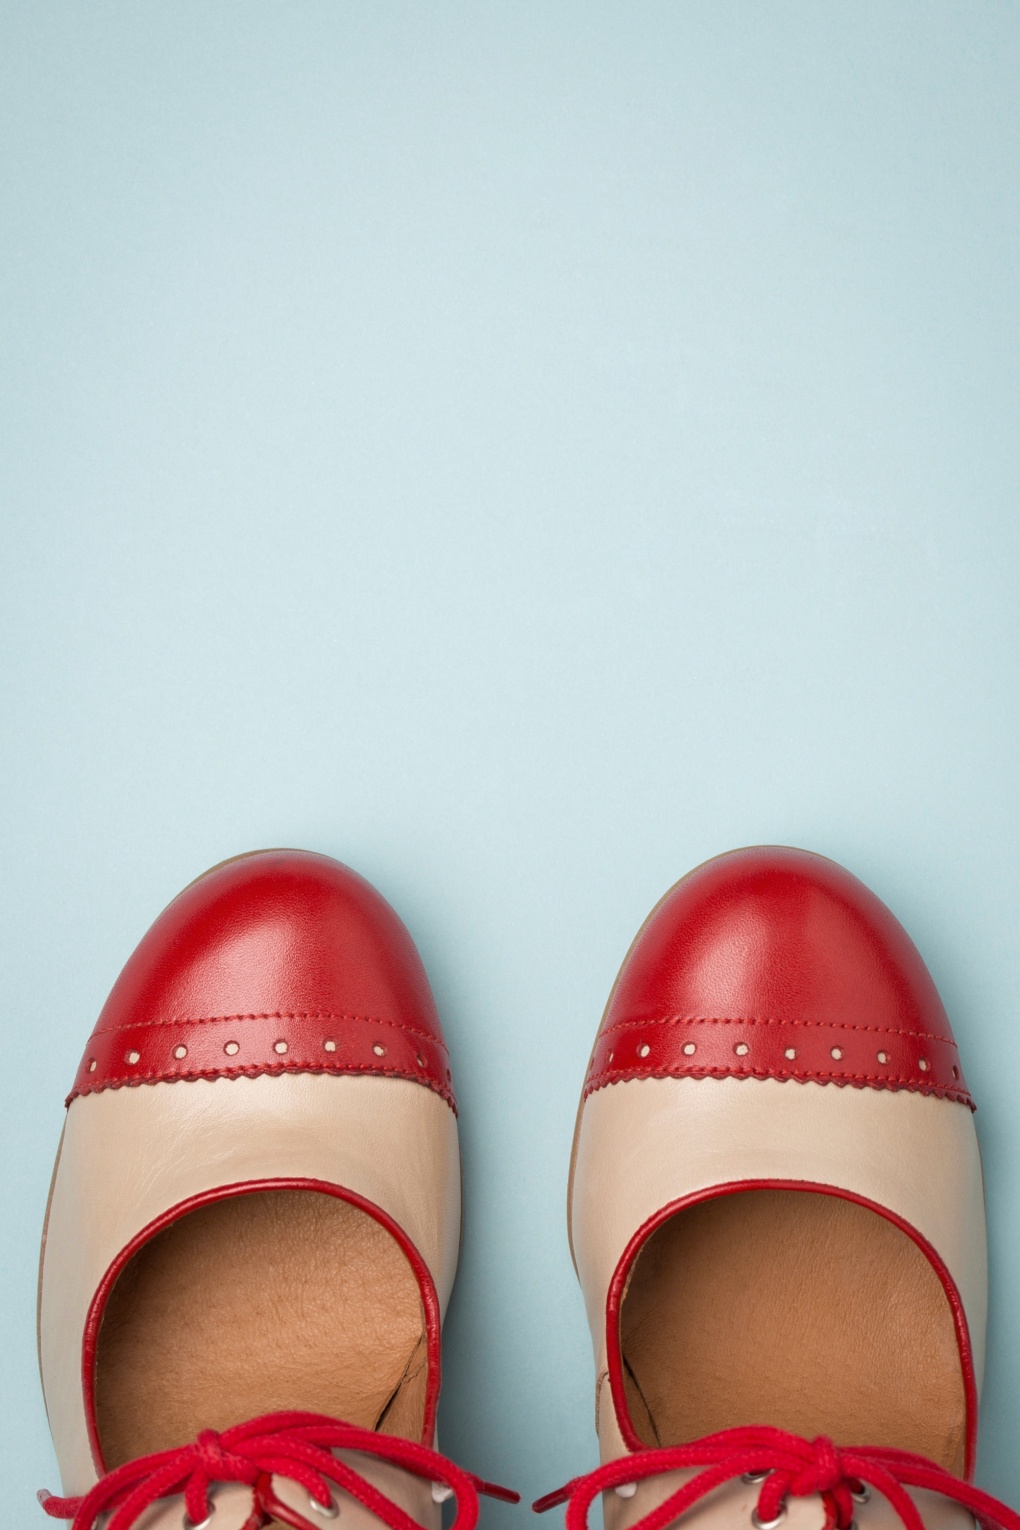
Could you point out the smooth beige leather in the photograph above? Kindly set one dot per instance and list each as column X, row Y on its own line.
column 129, row 1156
column 645, row 1144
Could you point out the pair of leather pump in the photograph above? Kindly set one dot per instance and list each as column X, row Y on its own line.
column 775, row 1212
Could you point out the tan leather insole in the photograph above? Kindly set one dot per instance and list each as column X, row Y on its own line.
column 795, row 1309
column 278, row 1299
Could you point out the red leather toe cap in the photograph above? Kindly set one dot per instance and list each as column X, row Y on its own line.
column 776, row 963
column 280, row 961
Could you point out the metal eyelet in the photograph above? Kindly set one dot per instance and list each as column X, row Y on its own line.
column 189, row 1524
column 753, row 1478
column 441, row 1492
column 864, row 1496
column 625, row 1490
column 328, row 1511
column 768, row 1524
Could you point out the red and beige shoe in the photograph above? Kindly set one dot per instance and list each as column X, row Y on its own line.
column 777, row 1219
column 254, row 1220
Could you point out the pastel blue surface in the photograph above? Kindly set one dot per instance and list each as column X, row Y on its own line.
column 521, row 451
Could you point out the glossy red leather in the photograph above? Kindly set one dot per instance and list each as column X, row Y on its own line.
column 776, row 963
column 280, row 961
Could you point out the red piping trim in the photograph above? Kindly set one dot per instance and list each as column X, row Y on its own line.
column 617, row 1287
column 426, row 1286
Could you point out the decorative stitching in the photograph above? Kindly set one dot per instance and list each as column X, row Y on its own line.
column 700, row 1072
column 152, row 1025
column 254, row 1070
column 830, row 1025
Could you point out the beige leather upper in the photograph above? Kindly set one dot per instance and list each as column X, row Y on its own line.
column 130, row 1155
column 649, row 1142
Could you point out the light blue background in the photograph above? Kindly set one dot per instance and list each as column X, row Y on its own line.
column 521, row 450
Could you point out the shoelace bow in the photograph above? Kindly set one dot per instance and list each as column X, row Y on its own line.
column 796, row 1468
column 298, row 1446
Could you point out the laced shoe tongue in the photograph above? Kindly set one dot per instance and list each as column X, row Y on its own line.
column 781, row 1474
column 232, row 1502
column 418, row 1498
column 300, row 1469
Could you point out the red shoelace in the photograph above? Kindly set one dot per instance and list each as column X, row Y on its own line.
column 298, row 1446
column 795, row 1468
